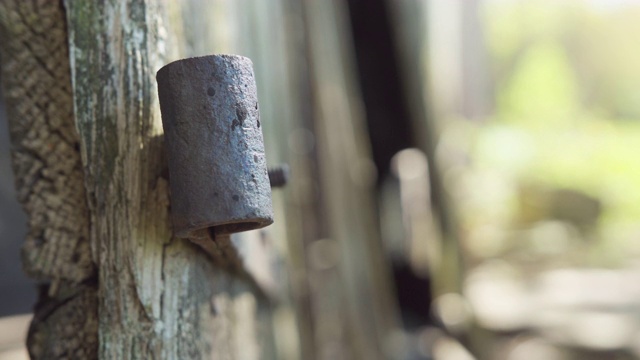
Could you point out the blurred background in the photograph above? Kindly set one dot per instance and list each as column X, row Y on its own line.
column 465, row 180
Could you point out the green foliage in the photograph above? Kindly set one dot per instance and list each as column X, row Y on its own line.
column 567, row 113
column 542, row 91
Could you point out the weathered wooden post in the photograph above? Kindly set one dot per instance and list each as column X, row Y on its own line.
column 90, row 81
column 81, row 86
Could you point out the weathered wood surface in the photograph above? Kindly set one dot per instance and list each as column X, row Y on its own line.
column 35, row 71
column 275, row 256
column 312, row 286
column 368, row 311
column 339, row 290
column 49, row 178
column 159, row 296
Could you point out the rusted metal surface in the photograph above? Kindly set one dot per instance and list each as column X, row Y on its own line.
column 217, row 166
column 279, row 176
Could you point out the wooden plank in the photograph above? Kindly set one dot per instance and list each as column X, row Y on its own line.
column 162, row 297
column 363, row 310
column 159, row 296
column 412, row 35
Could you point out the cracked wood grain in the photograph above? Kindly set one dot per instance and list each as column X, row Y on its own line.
column 159, row 296
column 49, row 179
column 117, row 284
column 44, row 142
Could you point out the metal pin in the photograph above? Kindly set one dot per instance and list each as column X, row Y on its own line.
column 279, row 176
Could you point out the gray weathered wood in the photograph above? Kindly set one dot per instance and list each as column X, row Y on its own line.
column 338, row 287
column 368, row 313
column 275, row 256
column 35, row 72
column 320, row 266
column 49, row 178
column 159, row 296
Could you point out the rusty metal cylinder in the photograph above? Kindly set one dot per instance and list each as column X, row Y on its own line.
column 217, row 168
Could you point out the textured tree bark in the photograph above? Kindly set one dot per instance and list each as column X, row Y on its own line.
column 49, row 179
